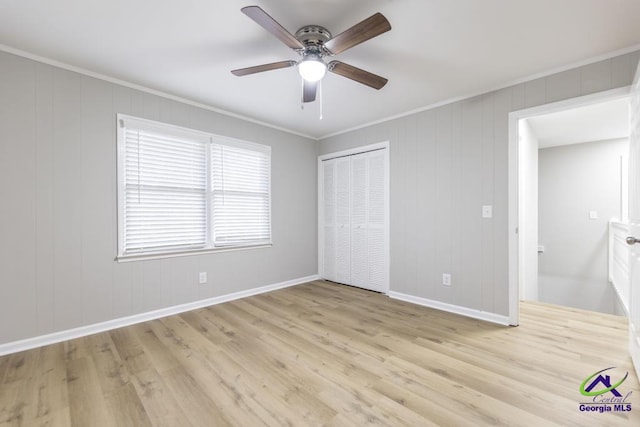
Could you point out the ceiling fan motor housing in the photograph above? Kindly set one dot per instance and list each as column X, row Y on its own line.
column 313, row 37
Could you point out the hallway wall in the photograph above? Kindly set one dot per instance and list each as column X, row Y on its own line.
column 574, row 180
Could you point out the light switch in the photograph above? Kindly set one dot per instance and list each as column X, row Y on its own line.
column 487, row 211
column 593, row 214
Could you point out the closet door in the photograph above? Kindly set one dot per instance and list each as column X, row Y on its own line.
column 377, row 219
column 354, row 220
column 328, row 255
column 343, row 220
column 359, row 220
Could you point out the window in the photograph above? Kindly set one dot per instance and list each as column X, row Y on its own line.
column 181, row 190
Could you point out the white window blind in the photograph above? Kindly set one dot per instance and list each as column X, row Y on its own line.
column 165, row 193
column 181, row 190
column 240, row 201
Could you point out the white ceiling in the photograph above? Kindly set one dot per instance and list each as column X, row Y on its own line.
column 437, row 50
column 597, row 122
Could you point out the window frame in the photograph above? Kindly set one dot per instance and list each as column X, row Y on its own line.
column 124, row 120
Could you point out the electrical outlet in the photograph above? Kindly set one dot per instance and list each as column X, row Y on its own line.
column 203, row 277
column 446, row 279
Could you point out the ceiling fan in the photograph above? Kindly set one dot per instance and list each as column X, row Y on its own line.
column 313, row 43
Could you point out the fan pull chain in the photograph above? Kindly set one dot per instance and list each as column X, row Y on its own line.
column 320, row 95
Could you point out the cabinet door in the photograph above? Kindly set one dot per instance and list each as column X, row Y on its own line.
column 328, row 256
column 359, row 219
column 343, row 220
column 376, row 225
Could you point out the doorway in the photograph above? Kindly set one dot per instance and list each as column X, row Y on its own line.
column 552, row 134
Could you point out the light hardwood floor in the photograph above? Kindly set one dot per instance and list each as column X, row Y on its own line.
column 322, row 354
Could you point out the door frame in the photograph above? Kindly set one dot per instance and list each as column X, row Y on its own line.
column 384, row 145
column 514, row 180
column 634, row 224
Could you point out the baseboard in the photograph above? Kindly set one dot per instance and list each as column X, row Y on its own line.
column 619, row 306
column 464, row 311
column 56, row 337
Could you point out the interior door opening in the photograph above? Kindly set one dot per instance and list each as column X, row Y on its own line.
column 523, row 179
column 572, row 199
column 514, row 220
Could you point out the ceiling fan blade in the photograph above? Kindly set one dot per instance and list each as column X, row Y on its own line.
column 369, row 28
column 263, row 19
column 264, row 67
column 354, row 73
column 309, row 90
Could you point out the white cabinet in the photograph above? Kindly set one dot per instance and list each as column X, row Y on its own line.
column 353, row 220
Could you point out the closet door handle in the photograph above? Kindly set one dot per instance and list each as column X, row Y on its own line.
column 632, row 240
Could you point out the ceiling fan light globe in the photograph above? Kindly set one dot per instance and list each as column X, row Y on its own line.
column 312, row 69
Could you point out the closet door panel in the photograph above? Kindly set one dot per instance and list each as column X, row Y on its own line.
column 359, row 214
column 343, row 220
column 329, row 218
column 377, row 260
column 376, row 225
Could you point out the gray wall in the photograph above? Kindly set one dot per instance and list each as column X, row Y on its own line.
column 58, row 206
column 447, row 162
column 573, row 180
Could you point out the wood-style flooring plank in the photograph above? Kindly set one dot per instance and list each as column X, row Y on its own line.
column 86, row 401
column 160, row 404
column 323, row 354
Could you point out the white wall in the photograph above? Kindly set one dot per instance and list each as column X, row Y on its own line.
column 574, row 180
column 528, row 211
column 445, row 163
column 58, row 206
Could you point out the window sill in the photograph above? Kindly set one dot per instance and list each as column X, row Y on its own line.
column 163, row 255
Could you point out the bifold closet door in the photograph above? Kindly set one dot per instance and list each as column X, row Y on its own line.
column 354, row 243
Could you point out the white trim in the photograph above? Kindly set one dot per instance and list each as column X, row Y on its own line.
column 567, row 104
column 88, row 73
column 189, row 252
column 634, row 348
column 384, row 145
column 354, row 151
column 320, row 223
column 450, row 308
column 513, row 221
column 128, row 121
column 616, row 295
column 82, row 331
column 529, row 78
column 513, row 178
